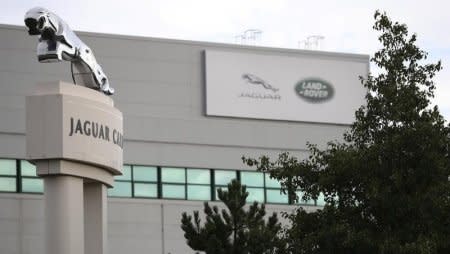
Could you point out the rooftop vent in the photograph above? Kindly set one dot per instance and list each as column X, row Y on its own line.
column 312, row 42
column 249, row 37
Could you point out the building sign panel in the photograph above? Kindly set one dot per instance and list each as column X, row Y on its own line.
column 309, row 88
column 74, row 123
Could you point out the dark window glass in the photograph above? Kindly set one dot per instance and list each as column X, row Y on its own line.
column 275, row 196
column 199, row 192
column 254, row 179
column 149, row 190
column 147, row 174
column 173, row 175
column 7, row 167
column 173, row 191
column 224, row 177
column 198, row 176
column 35, row 185
column 126, row 173
column 121, row 189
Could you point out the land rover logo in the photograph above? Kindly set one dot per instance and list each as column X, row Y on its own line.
column 314, row 90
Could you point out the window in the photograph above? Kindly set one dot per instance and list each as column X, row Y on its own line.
column 122, row 184
column 276, row 197
column 320, row 200
column 255, row 185
column 145, row 181
column 224, row 177
column 8, row 175
column 30, row 181
column 173, row 182
column 198, row 184
column 121, row 189
column 162, row 182
column 8, row 167
column 221, row 179
column 273, row 191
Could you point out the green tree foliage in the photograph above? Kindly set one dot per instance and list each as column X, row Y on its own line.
column 233, row 230
column 386, row 186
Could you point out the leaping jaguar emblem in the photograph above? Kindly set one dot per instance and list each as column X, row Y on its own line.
column 58, row 42
column 253, row 79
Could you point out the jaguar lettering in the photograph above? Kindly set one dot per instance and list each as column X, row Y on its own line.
column 95, row 130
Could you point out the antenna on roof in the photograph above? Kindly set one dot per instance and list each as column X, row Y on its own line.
column 312, row 42
column 249, row 37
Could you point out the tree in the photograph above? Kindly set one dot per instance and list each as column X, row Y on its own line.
column 233, row 230
column 386, row 186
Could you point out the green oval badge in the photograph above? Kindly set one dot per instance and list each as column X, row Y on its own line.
column 314, row 90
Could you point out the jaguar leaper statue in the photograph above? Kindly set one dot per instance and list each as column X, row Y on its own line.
column 57, row 42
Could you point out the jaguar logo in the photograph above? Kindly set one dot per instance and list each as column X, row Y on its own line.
column 253, row 79
column 314, row 90
column 256, row 95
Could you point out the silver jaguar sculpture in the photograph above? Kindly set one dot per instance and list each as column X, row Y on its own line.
column 58, row 42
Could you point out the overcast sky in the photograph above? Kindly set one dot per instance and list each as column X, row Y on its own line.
column 345, row 24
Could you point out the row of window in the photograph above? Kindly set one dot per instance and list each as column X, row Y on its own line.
column 158, row 182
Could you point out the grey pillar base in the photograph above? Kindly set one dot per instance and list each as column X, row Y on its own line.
column 64, row 215
column 76, row 206
column 95, row 218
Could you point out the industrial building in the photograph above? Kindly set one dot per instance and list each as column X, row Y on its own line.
column 191, row 111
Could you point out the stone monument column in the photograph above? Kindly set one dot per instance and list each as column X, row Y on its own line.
column 74, row 136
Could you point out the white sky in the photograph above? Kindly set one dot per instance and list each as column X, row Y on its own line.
column 346, row 24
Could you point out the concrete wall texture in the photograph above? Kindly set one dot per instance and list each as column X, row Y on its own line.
column 160, row 89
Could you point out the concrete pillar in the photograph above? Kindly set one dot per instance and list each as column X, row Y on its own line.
column 64, row 214
column 95, row 218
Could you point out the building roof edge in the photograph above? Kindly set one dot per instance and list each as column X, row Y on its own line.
column 353, row 56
